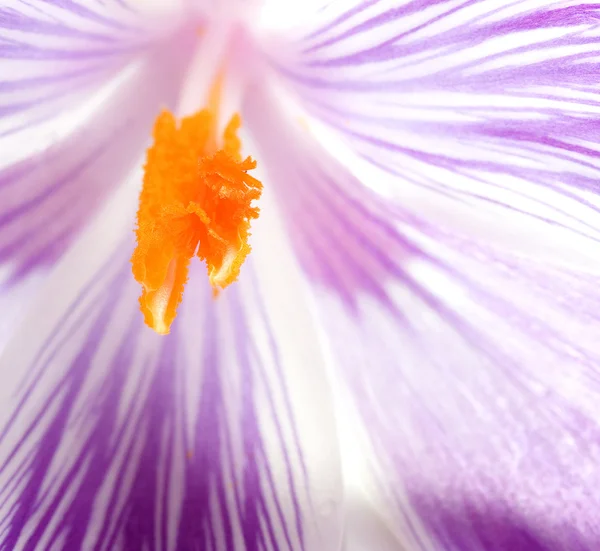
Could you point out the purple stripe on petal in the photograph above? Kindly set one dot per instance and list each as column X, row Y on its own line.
column 372, row 23
column 67, row 78
column 343, row 17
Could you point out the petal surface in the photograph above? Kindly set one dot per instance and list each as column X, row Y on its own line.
column 472, row 370
column 219, row 436
column 493, row 103
column 53, row 54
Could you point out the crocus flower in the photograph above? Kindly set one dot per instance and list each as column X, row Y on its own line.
column 408, row 356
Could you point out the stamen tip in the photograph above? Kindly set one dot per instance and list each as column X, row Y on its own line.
column 186, row 207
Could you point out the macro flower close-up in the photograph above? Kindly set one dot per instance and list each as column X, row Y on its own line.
column 313, row 275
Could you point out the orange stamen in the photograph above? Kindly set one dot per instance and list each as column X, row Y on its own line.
column 196, row 200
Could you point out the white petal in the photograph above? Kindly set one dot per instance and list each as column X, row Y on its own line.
column 365, row 530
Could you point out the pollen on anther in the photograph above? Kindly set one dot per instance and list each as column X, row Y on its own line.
column 196, row 200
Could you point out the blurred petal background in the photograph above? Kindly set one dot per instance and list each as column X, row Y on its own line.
column 410, row 358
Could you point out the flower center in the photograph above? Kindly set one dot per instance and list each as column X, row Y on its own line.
column 195, row 201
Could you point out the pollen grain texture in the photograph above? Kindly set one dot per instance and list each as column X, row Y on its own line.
column 195, row 201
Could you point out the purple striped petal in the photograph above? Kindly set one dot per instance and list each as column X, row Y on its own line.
column 489, row 102
column 219, row 436
column 473, row 370
column 53, row 54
